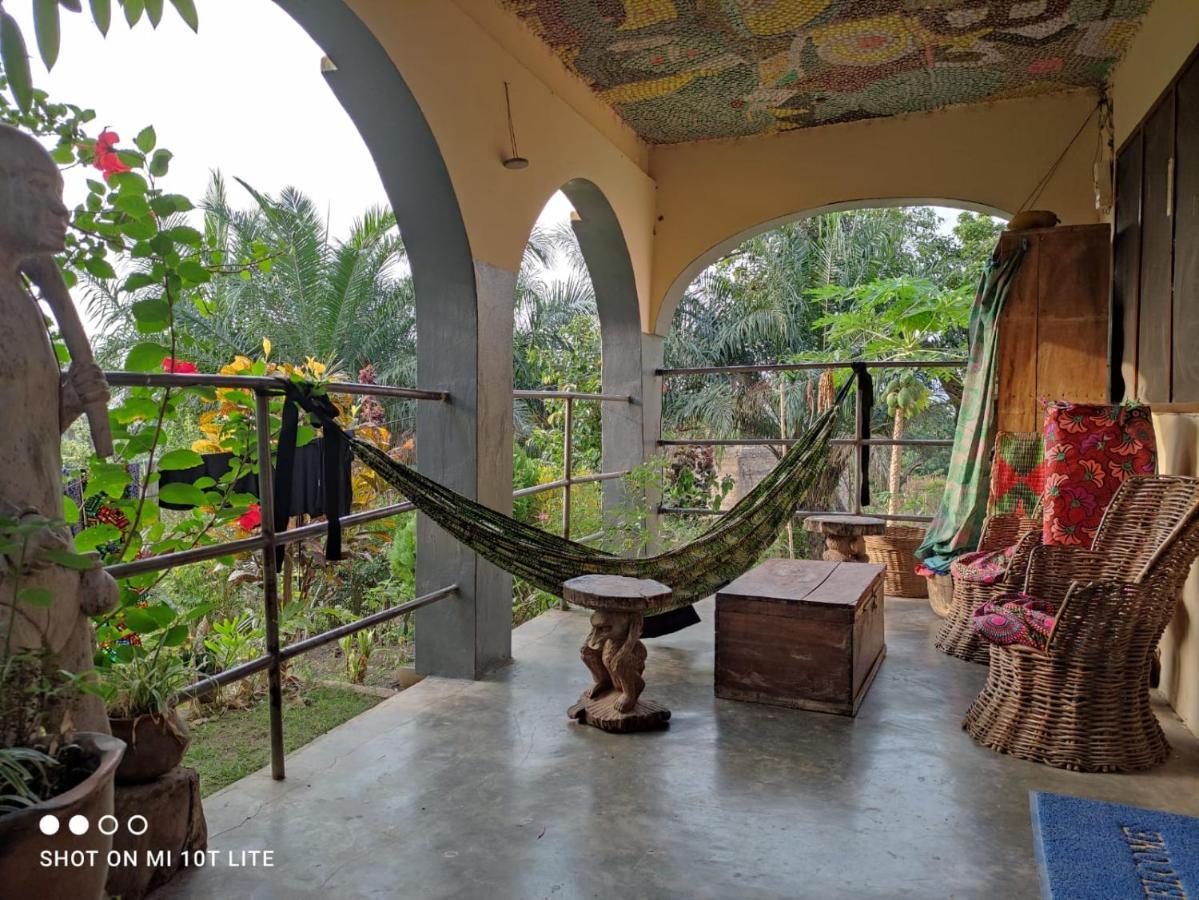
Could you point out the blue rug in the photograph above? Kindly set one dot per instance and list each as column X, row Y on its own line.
column 1090, row 850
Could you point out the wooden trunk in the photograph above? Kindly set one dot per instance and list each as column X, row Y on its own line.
column 1053, row 331
column 800, row 633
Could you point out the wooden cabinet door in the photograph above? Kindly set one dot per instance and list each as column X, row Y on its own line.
column 1154, row 343
column 1186, row 240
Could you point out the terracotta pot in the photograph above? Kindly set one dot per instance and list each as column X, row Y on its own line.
column 156, row 745
column 23, row 845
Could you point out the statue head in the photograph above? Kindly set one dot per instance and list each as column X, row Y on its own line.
column 33, row 217
column 607, row 626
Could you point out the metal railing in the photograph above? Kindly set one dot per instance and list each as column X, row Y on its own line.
column 268, row 539
column 860, row 441
column 569, row 479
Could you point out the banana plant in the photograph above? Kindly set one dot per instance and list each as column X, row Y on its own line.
column 47, row 28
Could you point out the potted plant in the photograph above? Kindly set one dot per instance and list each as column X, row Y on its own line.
column 140, row 691
column 51, row 779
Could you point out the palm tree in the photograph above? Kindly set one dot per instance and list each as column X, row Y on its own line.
column 346, row 302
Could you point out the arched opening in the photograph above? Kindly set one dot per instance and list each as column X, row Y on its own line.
column 885, row 283
column 576, row 332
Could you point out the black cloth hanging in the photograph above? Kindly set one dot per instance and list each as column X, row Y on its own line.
column 307, row 494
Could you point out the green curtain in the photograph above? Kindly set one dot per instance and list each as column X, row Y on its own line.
column 957, row 527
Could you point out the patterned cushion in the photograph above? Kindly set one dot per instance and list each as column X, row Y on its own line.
column 1089, row 450
column 1017, row 474
column 982, row 566
column 1015, row 619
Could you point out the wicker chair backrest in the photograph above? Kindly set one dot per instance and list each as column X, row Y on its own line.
column 1151, row 518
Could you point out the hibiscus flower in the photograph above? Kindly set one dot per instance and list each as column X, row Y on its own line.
column 1120, row 469
column 1077, row 504
column 1064, row 533
column 1092, row 472
column 107, row 159
column 1075, row 423
column 251, row 518
column 1053, row 484
column 178, row 366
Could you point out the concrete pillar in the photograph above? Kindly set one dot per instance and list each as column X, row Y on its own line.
column 466, row 445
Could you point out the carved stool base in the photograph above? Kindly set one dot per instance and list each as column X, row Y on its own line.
column 602, row 713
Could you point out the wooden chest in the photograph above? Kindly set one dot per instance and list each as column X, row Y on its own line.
column 801, row 633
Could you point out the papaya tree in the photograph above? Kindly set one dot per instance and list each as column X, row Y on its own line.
column 896, row 319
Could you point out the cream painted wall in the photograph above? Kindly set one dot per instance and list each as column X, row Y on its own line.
column 456, row 70
column 987, row 156
column 1168, row 35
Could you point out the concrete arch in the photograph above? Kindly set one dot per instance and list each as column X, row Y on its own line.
column 469, row 633
column 625, row 351
column 678, row 287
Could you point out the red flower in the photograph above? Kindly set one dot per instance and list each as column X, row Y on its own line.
column 178, row 366
column 107, row 160
column 251, row 518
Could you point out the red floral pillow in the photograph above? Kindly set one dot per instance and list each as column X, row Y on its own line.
column 1089, row 450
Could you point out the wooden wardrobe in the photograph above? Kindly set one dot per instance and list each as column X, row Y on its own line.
column 1053, row 331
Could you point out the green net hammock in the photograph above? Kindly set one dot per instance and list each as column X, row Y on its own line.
column 694, row 571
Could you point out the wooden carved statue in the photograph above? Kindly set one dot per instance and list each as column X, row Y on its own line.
column 613, row 651
column 38, row 403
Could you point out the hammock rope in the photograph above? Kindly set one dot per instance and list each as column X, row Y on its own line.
column 695, row 570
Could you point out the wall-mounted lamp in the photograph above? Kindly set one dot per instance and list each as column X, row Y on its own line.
column 515, row 160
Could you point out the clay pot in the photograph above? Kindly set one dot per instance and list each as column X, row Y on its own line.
column 156, row 745
column 22, row 842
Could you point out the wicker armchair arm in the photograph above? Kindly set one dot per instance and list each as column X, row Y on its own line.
column 1014, row 577
column 1093, row 620
column 1052, row 569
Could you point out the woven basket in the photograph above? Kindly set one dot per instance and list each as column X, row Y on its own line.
column 895, row 548
column 940, row 593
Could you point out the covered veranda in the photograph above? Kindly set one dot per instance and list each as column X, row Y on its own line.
column 676, row 133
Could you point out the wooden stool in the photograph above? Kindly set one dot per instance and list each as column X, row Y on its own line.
column 844, row 536
column 613, row 651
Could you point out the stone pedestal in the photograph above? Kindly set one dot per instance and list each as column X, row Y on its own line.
column 174, row 824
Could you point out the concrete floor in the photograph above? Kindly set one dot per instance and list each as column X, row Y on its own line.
column 484, row 789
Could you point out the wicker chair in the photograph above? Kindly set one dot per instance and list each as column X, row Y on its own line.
column 1083, row 702
column 956, row 636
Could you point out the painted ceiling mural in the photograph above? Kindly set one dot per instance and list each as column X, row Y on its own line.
column 686, row 70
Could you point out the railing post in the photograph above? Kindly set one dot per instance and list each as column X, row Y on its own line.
column 270, row 583
column 861, row 433
column 567, row 470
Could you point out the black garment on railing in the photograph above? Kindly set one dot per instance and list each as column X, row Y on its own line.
column 306, row 495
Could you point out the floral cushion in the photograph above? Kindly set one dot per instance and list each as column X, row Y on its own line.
column 1015, row 619
column 1089, row 450
column 982, row 566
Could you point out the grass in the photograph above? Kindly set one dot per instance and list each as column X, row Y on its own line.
column 236, row 742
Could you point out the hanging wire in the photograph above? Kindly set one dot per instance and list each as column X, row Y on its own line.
column 1045, row 179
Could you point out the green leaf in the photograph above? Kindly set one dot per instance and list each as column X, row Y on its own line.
column 180, row 459
column 128, row 183
column 64, row 154
column 102, row 14
column 187, row 10
column 15, row 59
column 194, row 272
column 160, row 162
column 146, row 139
column 152, row 312
column 135, row 408
column 162, row 614
column 176, row 636
column 185, row 234
column 133, row 11
column 99, row 267
column 68, row 560
column 72, row 5
column 96, row 536
column 133, row 204
column 154, row 11
column 70, row 510
column 181, row 495
column 46, row 27
column 146, row 357
column 139, row 229
column 139, row 620
column 138, row 280
column 106, row 478
column 36, row 596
